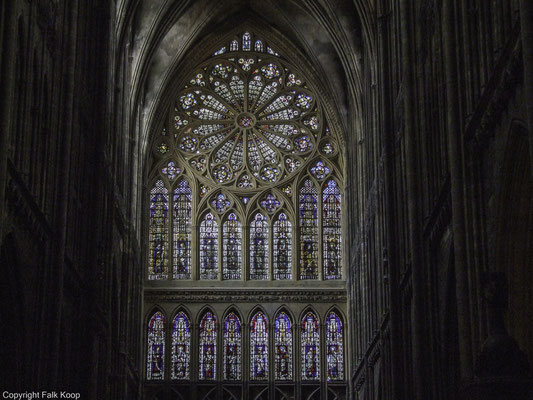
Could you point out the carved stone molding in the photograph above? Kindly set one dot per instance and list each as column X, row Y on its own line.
column 210, row 295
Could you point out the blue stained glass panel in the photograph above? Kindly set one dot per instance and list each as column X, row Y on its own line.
column 158, row 232
column 334, row 343
column 155, row 368
column 308, row 231
column 208, row 347
column 259, row 347
column 181, row 347
column 209, row 247
column 232, row 347
column 283, row 347
column 310, row 347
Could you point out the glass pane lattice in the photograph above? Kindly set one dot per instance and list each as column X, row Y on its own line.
column 232, row 240
column 209, row 247
column 182, row 230
column 181, row 347
column 158, row 232
column 331, row 230
column 310, row 347
column 308, row 231
column 258, row 347
column 208, row 347
column 259, row 247
column 334, row 343
column 283, row 347
column 232, row 347
column 155, row 368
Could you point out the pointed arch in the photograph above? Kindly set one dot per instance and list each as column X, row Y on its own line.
column 155, row 358
column 232, row 248
column 310, row 346
column 283, row 346
column 182, row 230
column 181, row 346
column 308, row 223
column 207, row 346
column 259, row 247
column 334, row 346
column 282, row 247
column 158, row 231
column 331, row 230
column 259, row 346
column 208, row 238
column 232, row 347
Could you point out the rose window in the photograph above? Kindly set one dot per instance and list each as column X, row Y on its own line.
column 248, row 121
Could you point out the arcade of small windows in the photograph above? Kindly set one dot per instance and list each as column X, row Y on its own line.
column 246, row 183
column 280, row 349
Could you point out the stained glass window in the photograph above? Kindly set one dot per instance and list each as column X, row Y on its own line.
column 308, row 231
column 334, row 345
column 258, row 347
column 158, row 232
column 182, row 230
column 331, row 230
column 259, row 247
column 181, row 347
column 246, row 41
column 209, row 247
column 232, row 240
column 208, row 347
column 283, row 347
column 282, row 247
column 251, row 124
column 310, row 347
column 232, row 347
column 155, row 368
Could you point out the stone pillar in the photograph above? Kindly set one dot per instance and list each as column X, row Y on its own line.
column 8, row 40
column 419, row 319
column 526, row 31
column 455, row 159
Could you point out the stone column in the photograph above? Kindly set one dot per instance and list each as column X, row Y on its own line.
column 455, row 160
column 526, row 30
column 8, row 40
column 419, row 315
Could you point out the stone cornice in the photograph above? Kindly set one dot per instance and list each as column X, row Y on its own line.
column 210, row 295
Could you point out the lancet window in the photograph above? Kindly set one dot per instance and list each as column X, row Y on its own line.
column 283, row 347
column 248, row 147
column 208, row 347
column 232, row 347
column 155, row 368
column 335, row 351
column 259, row 347
column 181, row 347
column 310, row 347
